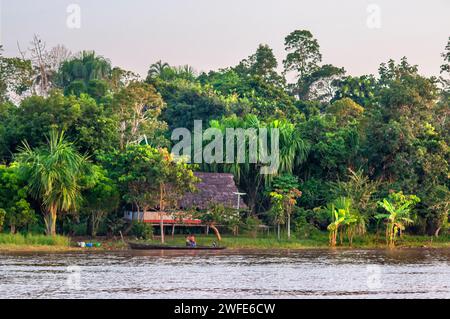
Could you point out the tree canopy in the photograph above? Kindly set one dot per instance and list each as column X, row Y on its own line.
column 347, row 142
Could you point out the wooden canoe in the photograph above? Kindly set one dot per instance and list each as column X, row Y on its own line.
column 144, row 246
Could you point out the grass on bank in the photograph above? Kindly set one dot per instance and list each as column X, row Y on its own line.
column 319, row 240
column 58, row 243
column 8, row 241
column 31, row 242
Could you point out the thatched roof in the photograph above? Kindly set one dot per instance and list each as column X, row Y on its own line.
column 216, row 188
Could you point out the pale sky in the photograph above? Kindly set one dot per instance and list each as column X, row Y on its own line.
column 212, row 34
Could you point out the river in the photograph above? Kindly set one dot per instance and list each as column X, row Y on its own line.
column 400, row 273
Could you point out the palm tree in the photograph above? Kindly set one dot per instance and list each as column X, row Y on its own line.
column 86, row 66
column 293, row 151
column 156, row 69
column 186, row 72
column 53, row 173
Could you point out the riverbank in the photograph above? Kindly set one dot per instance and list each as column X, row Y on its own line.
column 41, row 243
column 320, row 240
column 30, row 242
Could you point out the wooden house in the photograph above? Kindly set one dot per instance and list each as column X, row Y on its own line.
column 213, row 188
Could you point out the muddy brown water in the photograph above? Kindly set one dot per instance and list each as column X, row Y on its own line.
column 400, row 273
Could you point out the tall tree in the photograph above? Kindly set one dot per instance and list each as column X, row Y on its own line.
column 157, row 69
column 13, row 199
column 187, row 101
column 53, row 173
column 93, row 125
column 360, row 89
column 446, row 55
column 293, row 151
column 445, row 75
column 45, row 64
column 100, row 198
column 84, row 67
column 121, row 78
column 16, row 78
column 150, row 178
column 303, row 53
column 400, row 129
column 321, row 84
column 138, row 107
column 262, row 64
column 43, row 71
column 285, row 191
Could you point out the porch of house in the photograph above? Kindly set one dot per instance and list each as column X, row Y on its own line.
column 172, row 219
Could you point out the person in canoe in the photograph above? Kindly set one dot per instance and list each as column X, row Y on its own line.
column 190, row 241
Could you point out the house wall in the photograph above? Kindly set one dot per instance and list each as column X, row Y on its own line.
column 155, row 217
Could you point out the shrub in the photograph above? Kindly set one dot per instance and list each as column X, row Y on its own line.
column 142, row 230
column 317, row 217
column 303, row 229
column 2, row 218
column 251, row 225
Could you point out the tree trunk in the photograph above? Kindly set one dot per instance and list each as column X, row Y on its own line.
column 388, row 234
column 96, row 222
column 436, row 233
column 252, row 194
column 333, row 237
column 289, row 226
column 278, row 231
column 173, row 230
column 138, row 218
column 53, row 230
column 216, row 231
column 53, row 222
column 161, row 208
column 89, row 225
column 50, row 221
column 161, row 227
column 96, row 217
column 350, row 237
column 12, row 228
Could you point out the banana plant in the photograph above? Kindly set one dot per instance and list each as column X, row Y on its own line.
column 334, row 226
column 398, row 216
column 344, row 219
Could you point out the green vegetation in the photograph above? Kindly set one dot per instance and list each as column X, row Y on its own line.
column 82, row 141
column 34, row 240
column 317, row 241
column 398, row 208
column 284, row 197
column 53, row 175
column 343, row 220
